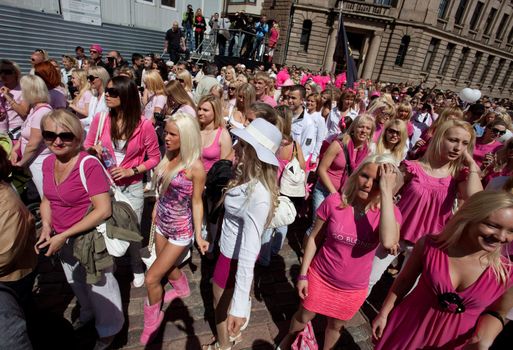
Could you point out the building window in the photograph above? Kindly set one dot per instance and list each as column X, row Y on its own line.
column 168, row 3
column 403, row 50
column 240, row 2
column 475, row 65
column 430, row 55
column 442, row 9
column 458, row 18
column 502, row 26
column 489, row 21
column 305, row 34
column 498, row 71
column 463, row 61
column 446, row 59
column 488, row 67
column 475, row 16
column 383, row 2
column 510, row 36
column 507, row 75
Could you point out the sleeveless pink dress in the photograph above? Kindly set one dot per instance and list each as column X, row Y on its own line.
column 212, row 153
column 420, row 321
column 426, row 202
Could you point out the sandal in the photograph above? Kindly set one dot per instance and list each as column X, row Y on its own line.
column 236, row 339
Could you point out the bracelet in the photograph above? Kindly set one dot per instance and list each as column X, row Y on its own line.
column 494, row 314
column 135, row 170
column 302, row 278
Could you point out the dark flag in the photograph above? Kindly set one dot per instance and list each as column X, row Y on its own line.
column 342, row 52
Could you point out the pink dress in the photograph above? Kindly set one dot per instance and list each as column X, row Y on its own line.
column 426, row 202
column 174, row 209
column 212, row 153
column 419, row 321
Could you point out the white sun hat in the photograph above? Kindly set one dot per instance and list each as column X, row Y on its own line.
column 264, row 137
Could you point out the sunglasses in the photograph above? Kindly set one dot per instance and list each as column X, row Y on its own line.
column 498, row 132
column 93, row 51
column 91, row 78
column 393, row 131
column 232, row 88
column 7, row 71
column 64, row 136
column 112, row 92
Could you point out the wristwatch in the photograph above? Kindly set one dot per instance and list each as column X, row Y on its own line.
column 135, row 170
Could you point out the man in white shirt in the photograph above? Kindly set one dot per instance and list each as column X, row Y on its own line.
column 303, row 127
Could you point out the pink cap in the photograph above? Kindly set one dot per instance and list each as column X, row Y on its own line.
column 97, row 48
column 375, row 94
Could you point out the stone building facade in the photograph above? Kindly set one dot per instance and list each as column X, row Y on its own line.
column 450, row 43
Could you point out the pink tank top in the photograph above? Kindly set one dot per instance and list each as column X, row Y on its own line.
column 212, row 153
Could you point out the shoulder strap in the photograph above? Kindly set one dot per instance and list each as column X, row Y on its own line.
column 82, row 171
column 348, row 167
column 99, row 130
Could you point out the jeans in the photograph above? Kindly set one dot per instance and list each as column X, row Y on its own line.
column 189, row 38
column 272, row 242
column 198, row 38
column 319, row 194
column 256, row 49
column 235, row 43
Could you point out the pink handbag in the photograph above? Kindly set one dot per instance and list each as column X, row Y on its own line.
column 305, row 339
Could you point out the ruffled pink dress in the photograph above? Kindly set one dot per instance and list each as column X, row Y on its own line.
column 421, row 321
column 426, row 202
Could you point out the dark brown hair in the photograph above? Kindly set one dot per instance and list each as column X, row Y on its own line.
column 129, row 110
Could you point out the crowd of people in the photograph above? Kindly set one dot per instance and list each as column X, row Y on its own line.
column 384, row 171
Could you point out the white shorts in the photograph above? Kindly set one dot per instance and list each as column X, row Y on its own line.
column 179, row 242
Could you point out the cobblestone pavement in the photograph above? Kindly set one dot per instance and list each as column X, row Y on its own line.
column 188, row 323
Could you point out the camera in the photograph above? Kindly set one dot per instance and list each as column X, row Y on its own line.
column 111, row 59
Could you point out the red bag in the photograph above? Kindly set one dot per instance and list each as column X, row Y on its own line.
column 305, row 339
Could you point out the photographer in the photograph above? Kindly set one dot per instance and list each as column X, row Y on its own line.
column 187, row 24
column 220, row 28
column 115, row 60
column 238, row 25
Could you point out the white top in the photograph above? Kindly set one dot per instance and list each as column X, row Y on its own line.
column 246, row 211
column 96, row 105
column 333, row 120
column 304, row 132
column 320, row 132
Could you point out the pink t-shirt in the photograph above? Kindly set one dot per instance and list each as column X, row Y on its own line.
column 69, row 200
column 58, row 98
column 12, row 119
column 155, row 101
column 269, row 100
column 34, row 121
column 84, row 100
column 481, row 150
column 345, row 258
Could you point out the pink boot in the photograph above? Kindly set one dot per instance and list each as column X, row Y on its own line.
column 180, row 289
column 153, row 317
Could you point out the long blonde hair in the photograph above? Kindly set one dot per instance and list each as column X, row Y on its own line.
column 433, row 151
column 190, row 150
column 351, row 185
column 83, row 83
column 251, row 170
column 362, row 118
column 397, row 150
column 476, row 209
column 154, row 82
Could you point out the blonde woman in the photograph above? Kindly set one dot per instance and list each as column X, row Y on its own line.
column 404, row 112
column 249, row 202
column 464, row 282
column 383, row 109
column 393, row 140
column 80, row 103
column 185, row 78
column 98, row 77
column 245, row 96
column 30, row 146
column 178, row 100
column 431, row 186
column 154, row 96
column 230, row 75
column 348, row 230
column 178, row 213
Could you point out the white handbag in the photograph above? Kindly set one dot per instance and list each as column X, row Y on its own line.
column 115, row 247
column 292, row 183
column 284, row 214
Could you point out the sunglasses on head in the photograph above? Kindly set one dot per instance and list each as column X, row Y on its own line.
column 39, row 50
column 112, row 92
column 52, row 136
column 91, row 78
column 498, row 132
column 7, row 71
